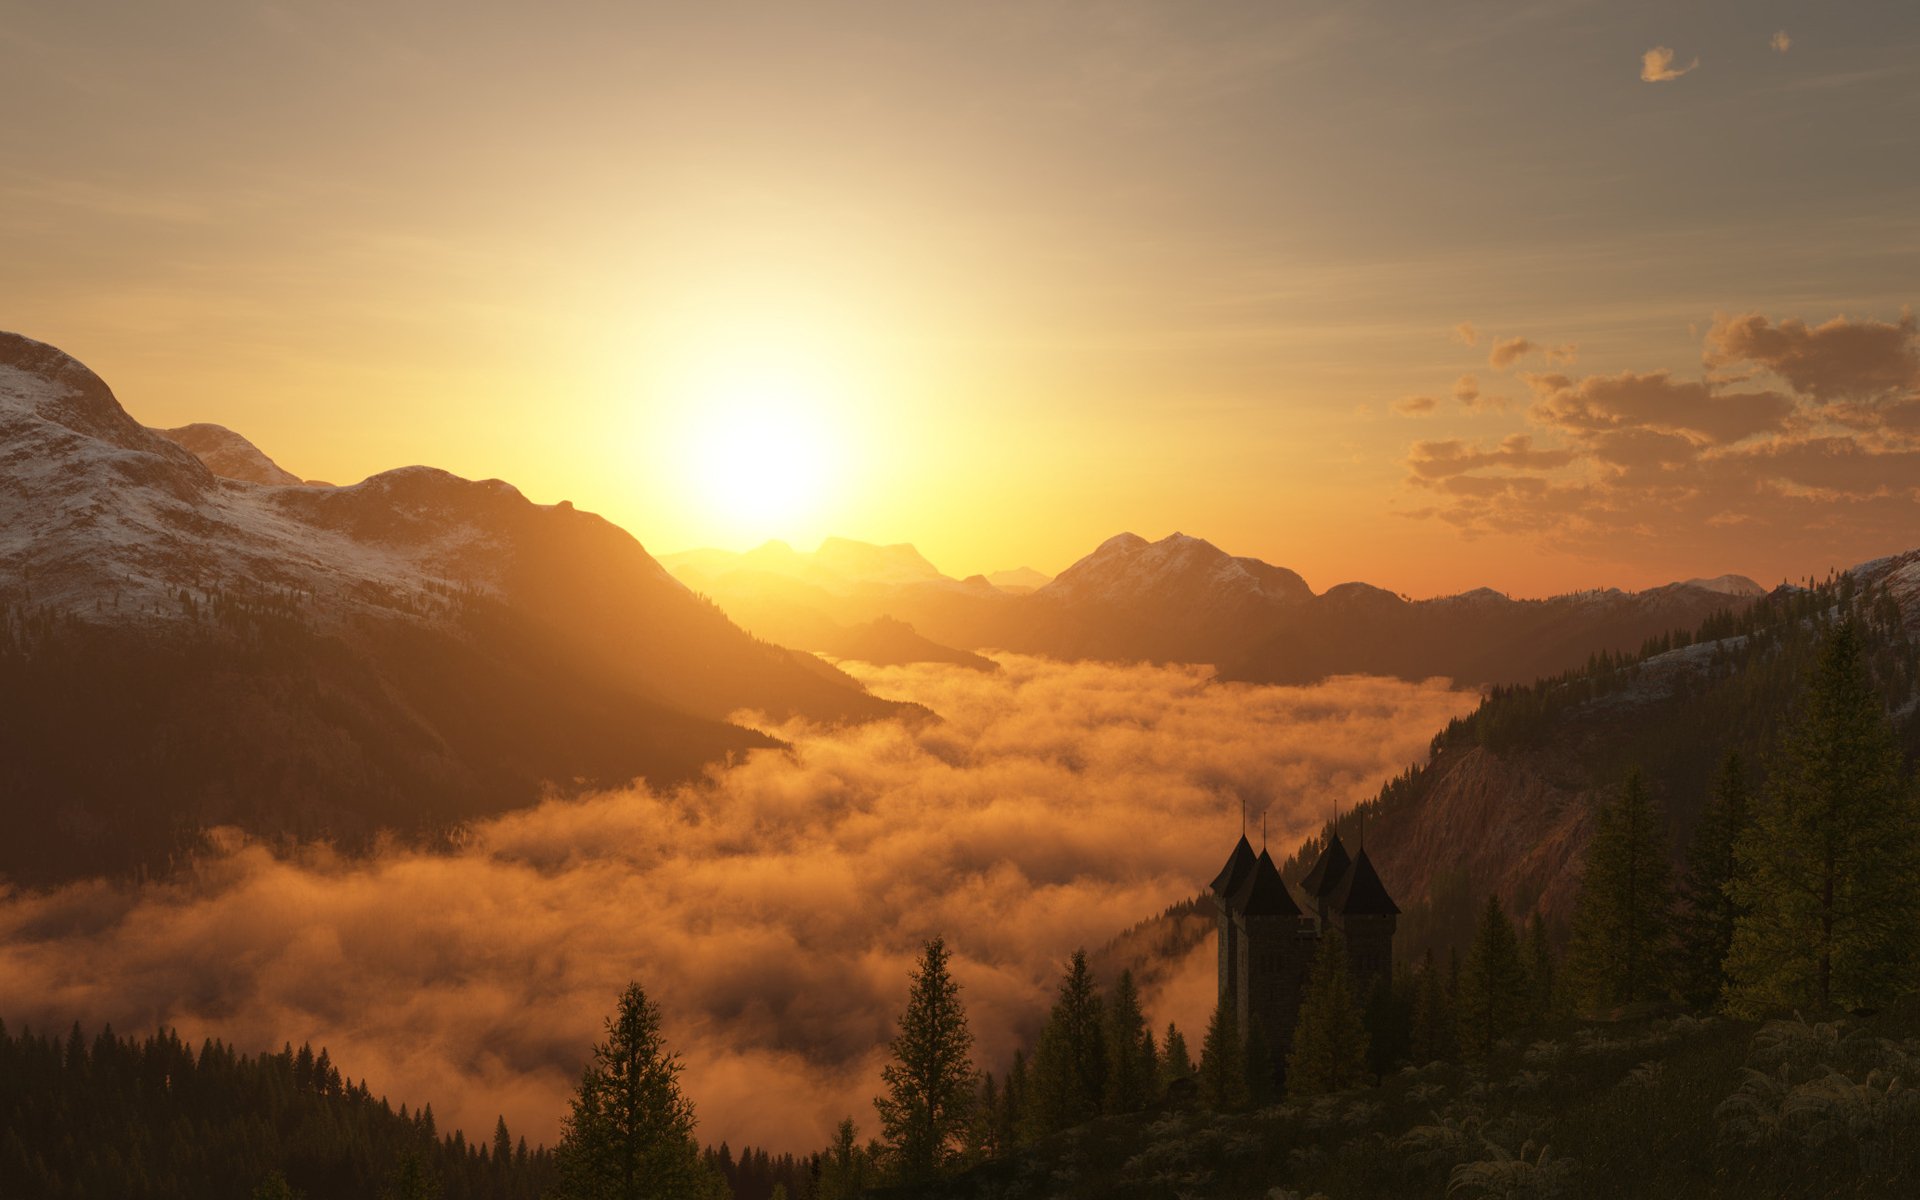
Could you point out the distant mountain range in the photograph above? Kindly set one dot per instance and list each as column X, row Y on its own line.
column 189, row 641
column 1184, row 599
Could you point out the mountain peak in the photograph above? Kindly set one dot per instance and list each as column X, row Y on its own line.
column 52, row 385
column 229, row 455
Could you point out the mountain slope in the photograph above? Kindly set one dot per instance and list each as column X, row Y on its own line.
column 1506, row 804
column 407, row 652
column 1183, row 599
column 229, row 455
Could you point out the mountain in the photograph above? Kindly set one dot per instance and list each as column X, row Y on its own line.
column 1019, row 580
column 228, row 455
column 1506, row 804
column 1184, row 599
column 407, row 652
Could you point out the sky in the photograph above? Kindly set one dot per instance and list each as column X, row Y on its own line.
column 1531, row 296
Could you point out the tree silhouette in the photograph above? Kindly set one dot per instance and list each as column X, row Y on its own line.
column 1329, row 1038
column 1707, row 922
column 1223, row 1075
column 1493, row 994
column 1830, row 863
column 1068, row 1074
column 629, row 1135
column 1132, row 1064
column 931, row 1081
column 1621, row 948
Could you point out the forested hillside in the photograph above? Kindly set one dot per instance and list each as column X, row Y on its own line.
column 1505, row 805
column 116, row 1118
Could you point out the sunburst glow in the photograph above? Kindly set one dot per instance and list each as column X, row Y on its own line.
column 763, row 442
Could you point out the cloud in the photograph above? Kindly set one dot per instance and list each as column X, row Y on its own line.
column 1452, row 457
column 1780, row 41
column 1415, row 406
column 1467, row 393
column 1823, row 468
column 772, row 911
column 1655, row 400
column 1466, row 334
column 1656, row 65
column 1841, row 360
column 1563, row 355
column 1507, row 351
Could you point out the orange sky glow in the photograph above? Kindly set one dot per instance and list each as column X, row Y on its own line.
column 1368, row 294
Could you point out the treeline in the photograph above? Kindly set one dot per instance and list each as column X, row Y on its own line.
column 117, row 1118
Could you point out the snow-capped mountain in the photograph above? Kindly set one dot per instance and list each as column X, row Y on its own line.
column 229, row 455
column 411, row 649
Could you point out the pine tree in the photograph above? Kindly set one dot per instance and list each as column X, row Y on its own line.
column 1433, row 1024
column 1707, row 922
column 1013, row 1103
column 1175, row 1062
column 1329, row 1038
column 1068, row 1075
column 1131, row 1063
column 1493, row 997
column 1388, row 1017
column 846, row 1169
column 1540, row 972
column 630, row 1132
column 1827, row 868
column 1223, row 1076
column 930, row 1084
column 1621, row 946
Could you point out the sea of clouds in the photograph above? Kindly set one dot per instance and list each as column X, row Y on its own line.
column 772, row 911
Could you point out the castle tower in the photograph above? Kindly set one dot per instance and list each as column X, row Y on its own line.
column 1325, row 877
column 1238, row 870
column 1274, row 953
column 1363, row 911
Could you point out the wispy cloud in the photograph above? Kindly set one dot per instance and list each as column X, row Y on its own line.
column 1656, row 65
column 1781, row 41
column 1415, row 406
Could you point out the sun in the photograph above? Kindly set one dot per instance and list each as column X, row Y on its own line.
column 763, row 447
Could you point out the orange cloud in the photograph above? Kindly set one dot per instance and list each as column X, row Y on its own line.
column 1414, row 406
column 1827, row 466
column 1656, row 65
column 773, row 910
column 1508, row 351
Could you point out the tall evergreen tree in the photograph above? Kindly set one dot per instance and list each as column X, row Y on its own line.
column 1433, row 1023
column 1707, row 921
column 1621, row 947
column 1175, row 1061
column 1540, row 972
column 629, row 1135
column 1012, row 1119
column 1067, row 1079
column 1223, row 1075
column 1830, row 863
column 846, row 1169
column 1329, row 1038
column 1132, row 1066
column 1493, row 998
column 930, row 1082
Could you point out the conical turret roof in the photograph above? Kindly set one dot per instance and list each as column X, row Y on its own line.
column 1361, row 894
column 1327, row 873
column 1239, row 867
column 1264, row 894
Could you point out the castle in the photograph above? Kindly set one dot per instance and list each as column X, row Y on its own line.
column 1267, row 944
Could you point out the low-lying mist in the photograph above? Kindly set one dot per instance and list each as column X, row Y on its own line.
column 772, row 911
